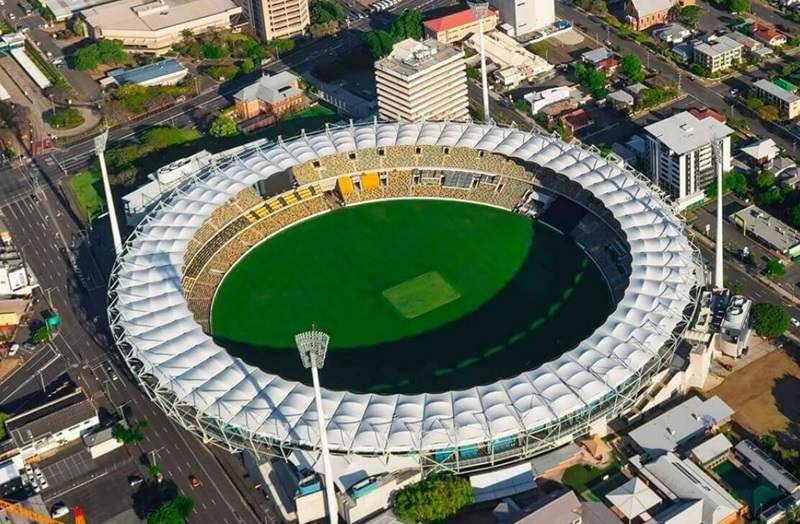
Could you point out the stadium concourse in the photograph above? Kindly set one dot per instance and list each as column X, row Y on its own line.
column 164, row 282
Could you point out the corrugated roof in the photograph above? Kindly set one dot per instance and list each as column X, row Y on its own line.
column 463, row 17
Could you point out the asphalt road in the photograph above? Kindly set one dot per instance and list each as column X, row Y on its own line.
column 44, row 233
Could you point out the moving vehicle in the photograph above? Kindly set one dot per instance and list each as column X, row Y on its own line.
column 59, row 510
column 194, row 481
column 135, row 480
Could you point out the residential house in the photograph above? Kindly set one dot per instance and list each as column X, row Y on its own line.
column 762, row 152
column 673, row 33
column 768, row 35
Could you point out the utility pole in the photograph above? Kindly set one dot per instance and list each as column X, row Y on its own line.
column 478, row 9
column 99, row 148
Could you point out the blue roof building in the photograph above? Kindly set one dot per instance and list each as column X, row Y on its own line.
column 164, row 72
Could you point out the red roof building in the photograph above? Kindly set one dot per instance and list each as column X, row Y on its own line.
column 459, row 25
column 609, row 64
column 768, row 35
column 700, row 114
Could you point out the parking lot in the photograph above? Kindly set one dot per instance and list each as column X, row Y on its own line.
column 68, row 468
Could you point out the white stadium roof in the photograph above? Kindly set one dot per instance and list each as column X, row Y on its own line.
column 159, row 331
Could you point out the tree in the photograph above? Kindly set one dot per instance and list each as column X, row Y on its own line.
column 111, row 51
column 769, row 113
column 77, row 26
column 775, row 269
column 87, row 58
column 794, row 215
column 433, row 499
column 407, row 25
column 690, row 15
column 215, row 52
column 765, row 179
column 632, row 68
column 753, row 103
column 768, row 442
column 65, row 118
column 323, row 12
column 42, row 334
column 129, row 435
column 222, row 126
column 174, row 511
column 247, row 65
column 739, row 6
column 770, row 320
column 3, row 417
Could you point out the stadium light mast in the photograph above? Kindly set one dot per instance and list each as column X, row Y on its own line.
column 100, row 148
column 313, row 345
column 719, row 280
column 479, row 9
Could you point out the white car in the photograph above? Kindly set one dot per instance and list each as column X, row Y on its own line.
column 13, row 350
column 59, row 510
column 795, row 322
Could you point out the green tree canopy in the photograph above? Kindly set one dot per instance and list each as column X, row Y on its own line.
column 770, row 320
column 690, row 15
column 434, row 499
column 129, row 435
column 174, row 511
column 632, row 68
column 407, row 25
column 222, row 126
column 87, row 58
column 765, row 179
column 3, row 417
column 739, row 6
column 103, row 51
column 323, row 11
column 775, row 268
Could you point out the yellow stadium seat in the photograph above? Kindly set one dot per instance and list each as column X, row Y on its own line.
column 370, row 181
column 344, row 185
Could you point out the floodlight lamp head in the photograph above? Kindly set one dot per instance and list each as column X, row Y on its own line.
column 100, row 141
column 478, row 8
column 312, row 345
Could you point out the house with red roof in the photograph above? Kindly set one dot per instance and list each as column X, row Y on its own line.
column 459, row 25
column 768, row 35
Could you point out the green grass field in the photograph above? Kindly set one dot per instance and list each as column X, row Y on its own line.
column 421, row 293
column 88, row 191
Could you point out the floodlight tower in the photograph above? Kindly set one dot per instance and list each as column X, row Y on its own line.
column 479, row 8
column 312, row 346
column 100, row 148
column 719, row 281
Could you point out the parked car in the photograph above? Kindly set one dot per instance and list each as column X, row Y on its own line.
column 13, row 350
column 135, row 480
column 795, row 322
column 59, row 510
column 195, row 482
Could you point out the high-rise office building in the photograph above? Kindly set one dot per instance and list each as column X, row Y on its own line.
column 526, row 16
column 422, row 81
column 277, row 18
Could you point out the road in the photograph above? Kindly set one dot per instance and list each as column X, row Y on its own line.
column 716, row 97
column 46, row 239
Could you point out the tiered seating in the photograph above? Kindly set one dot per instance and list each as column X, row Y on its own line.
column 512, row 191
column 400, row 156
column 482, row 193
column 367, row 160
column 212, row 246
column 398, row 184
column 203, row 234
column 248, row 198
column 337, row 164
column 430, row 156
column 305, row 173
column 461, row 158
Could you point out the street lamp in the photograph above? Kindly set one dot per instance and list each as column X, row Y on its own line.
column 312, row 346
column 100, row 148
column 479, row 9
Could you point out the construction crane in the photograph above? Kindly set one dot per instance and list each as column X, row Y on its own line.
column 33, row 516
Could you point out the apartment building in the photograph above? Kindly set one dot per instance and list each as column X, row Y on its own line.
column 154, row 26
column 718, row 55
column 422, row 81
column 526, row 16
column 681, row 158
column 787, row 102
column 272, row 19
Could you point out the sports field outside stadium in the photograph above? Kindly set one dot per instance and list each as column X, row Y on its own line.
column 417, row 295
